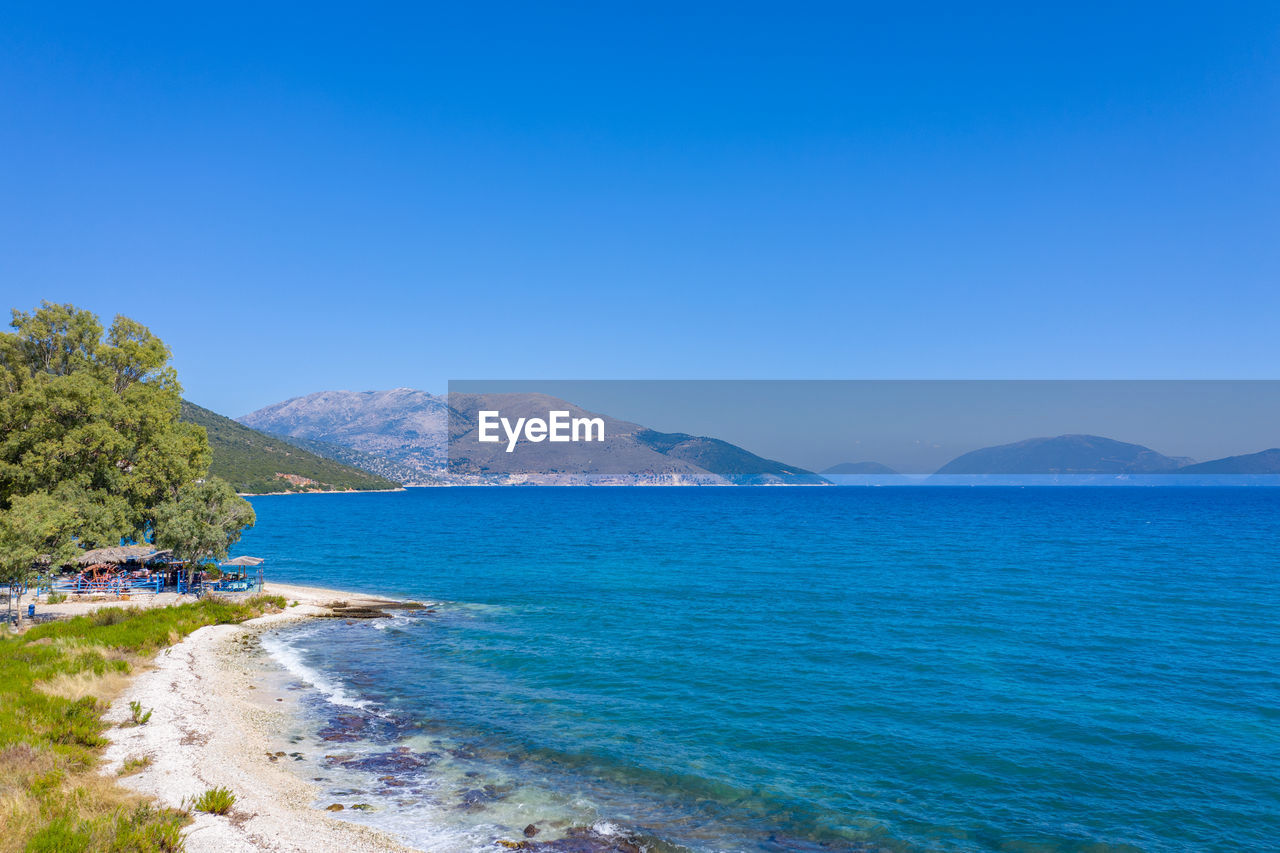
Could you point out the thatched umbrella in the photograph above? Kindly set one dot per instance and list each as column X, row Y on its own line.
column 122, row 554
column 245, row 563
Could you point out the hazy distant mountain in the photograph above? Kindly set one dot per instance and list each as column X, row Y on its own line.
column 1065, row 454
column 1264, row 462
column 726, row 460
column 630, row 453
column 408, row 430
column 854, row 468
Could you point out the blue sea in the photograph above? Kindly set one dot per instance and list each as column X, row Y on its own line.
column 941, row 669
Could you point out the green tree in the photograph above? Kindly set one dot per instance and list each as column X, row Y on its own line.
column 202, row 522
column 94, row 416
column 50, row 528
column 35, row 528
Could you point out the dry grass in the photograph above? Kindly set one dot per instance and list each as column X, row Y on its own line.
column 78, row 685
column 104, row 683
column 107, row 817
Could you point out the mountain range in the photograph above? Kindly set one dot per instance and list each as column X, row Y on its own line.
column 1064, row 454
column 1076, row 456
column 407, row 435
column 413, row 432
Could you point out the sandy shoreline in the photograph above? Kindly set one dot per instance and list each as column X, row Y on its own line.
column 211, row 727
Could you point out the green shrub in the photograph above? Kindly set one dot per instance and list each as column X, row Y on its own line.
column 145, row 631
column 108, row 616
column 59, row 836
column 56, row 598
column 134, row 765
column 215, row 801
column 149, row 828
column 138, row 718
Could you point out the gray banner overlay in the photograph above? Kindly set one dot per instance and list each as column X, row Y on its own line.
column 861, row 432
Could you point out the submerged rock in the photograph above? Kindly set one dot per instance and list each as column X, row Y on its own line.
column 336, row 807
column 585, row 839
column 352, row 725
column 474, row 799
column 356, row 612
column 390, row 764
column 781, row 843
column 344, row 728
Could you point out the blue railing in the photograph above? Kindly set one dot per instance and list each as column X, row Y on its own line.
column 124, row 585
column 233, row 584
column 111, row 586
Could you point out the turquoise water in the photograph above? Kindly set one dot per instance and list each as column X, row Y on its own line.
column 1043, row 669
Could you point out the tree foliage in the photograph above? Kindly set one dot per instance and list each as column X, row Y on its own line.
column 203, row 522
column 50, row 528
column 90, row 439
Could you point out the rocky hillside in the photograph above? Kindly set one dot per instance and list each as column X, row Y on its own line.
column 382, row 466
column 402, row 429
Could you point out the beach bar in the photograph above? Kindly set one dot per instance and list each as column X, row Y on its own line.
column 118, row 570
column 126, row 570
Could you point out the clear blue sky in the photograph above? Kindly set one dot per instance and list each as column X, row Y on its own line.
column 312, row 198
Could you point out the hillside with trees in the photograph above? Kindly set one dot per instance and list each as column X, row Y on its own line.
column 254, row 462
